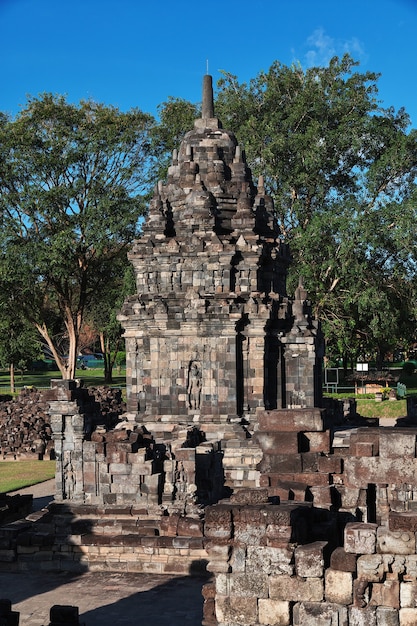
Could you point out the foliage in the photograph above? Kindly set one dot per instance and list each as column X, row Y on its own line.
column 72, row 182
column 176, row 117
column 103, row 311
column 342, row 173
column 19, row 342
column 409, row 368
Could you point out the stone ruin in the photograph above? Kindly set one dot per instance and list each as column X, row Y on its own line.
column 228, row 459
column 25, row 429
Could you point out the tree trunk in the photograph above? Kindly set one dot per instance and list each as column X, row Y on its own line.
column 67, row 367
column 12, row 381
column 108, row 364
column 379, row 359
column 72, row 351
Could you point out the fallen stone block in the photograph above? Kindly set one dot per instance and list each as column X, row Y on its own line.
column 296, row 589
column 397, row 442
column 287, row 420
column 395, row 542
column 362, row 617
column 386, row 594
column 360, row 538
column 386, row 616
column 236, row 610
column 408, row 595
column 406, row 520
column 370, row 568
column 338, row 586
column 275, row 612
column 408, row 617
column 319, row 614
column 343, row 561
column 309, row 559
column 269, row 560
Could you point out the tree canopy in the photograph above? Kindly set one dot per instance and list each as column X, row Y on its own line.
column 72, row 183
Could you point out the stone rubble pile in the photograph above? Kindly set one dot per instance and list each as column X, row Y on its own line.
column 25, row 429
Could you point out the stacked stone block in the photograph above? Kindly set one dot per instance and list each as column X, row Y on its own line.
column 126, row 539
column 264, row 576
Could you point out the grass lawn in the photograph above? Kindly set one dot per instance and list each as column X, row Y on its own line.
column 18, row 474
column 91, row 377
column 387, row 408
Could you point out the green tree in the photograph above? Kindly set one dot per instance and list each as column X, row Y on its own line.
column 72, row 184
column 176, row 117
column 19, row 342
column 339, row 168
column 102, row 315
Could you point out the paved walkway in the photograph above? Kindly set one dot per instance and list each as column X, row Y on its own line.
column 106, row 599
column 103, row 599
column 43, row 493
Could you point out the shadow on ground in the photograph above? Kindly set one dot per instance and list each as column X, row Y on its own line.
column 106, row 599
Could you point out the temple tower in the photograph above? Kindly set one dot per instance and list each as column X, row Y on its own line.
column 204, row 330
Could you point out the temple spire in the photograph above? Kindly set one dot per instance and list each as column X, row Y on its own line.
column 207, row 109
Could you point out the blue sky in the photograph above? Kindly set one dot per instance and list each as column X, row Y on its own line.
column 136, row 53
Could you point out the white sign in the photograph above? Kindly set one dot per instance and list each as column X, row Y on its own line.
column 361, row 367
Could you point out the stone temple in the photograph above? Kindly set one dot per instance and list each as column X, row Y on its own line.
column 211, row 335
column 228, row 459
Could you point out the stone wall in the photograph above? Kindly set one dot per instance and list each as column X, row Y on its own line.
column 277, row 565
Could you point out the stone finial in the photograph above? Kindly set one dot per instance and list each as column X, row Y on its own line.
column 207, row 109
column 261, row 185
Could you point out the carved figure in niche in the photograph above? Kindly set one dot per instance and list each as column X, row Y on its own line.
column 69, row 477
column 194, row 385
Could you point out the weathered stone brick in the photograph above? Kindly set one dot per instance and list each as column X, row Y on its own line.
column 395, row 542
column 397, row 442
column 360, row 472
column 275, row 612
column 342, row 560
column 309, row 560
column 287, row 420
column 269, row 560
column 236, row 610
column 408, row 617
column 370, row 567
column 296, row 589
column 280, row 463
column 362, row 617
column 317, row 441
column 277, row 442
column 218, row 522
column 319, row 614
column 329, row 464
column 410, row 567
column 338, row 586
column 386, row 594
column 360, row 538
column 249, row 585
column 387, row 616
column 408, row 594
column 406, row 520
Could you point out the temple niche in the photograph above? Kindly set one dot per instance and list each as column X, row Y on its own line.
column 211, row 335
